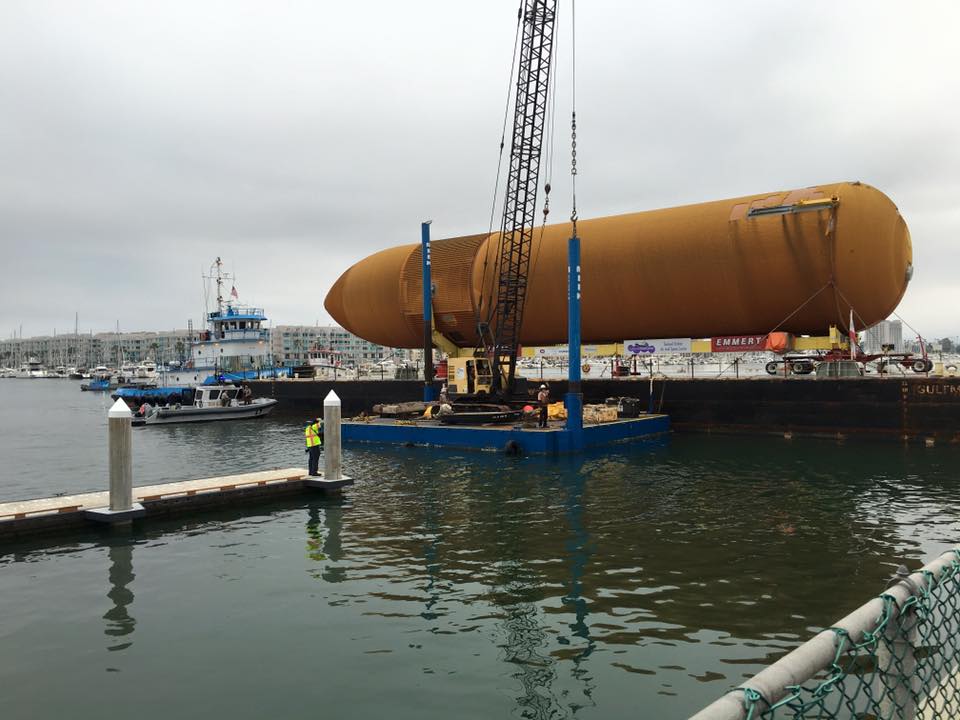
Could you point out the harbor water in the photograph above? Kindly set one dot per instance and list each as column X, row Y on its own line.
column 641, row 581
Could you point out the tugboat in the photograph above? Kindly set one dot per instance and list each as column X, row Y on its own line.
column 210, row 403
column 235, row 346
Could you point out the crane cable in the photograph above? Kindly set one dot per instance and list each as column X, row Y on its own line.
column 573, row 114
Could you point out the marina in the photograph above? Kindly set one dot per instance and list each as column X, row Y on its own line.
column 651, row 409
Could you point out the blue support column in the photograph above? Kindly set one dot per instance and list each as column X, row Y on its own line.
column 574, row 398
column 428, row 390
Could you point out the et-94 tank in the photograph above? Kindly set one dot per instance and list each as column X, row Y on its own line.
column 794, row 261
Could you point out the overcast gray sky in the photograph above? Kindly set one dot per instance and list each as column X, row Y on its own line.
column 139, row 140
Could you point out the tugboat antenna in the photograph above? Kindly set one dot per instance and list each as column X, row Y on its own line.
column 219, row 288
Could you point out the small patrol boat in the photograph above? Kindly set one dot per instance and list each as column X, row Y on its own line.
column 101, row 379
column 210, row 403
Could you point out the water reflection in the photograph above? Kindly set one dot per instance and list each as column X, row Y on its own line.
column 525, row 647
column 552, row 589
column 432, row 518
column 324, row 539
column 686, row 566
column 120, row 623
column 578, row 555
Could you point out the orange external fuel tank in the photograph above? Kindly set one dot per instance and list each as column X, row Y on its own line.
column 795, row 261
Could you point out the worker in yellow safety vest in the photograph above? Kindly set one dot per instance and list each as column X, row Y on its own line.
column 313, row 434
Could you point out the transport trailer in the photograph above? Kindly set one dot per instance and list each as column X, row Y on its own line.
column 800, row 364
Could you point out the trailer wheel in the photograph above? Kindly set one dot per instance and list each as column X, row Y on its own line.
column 772, row 367
column 919, row 366
column 801, row 367
column 881, row 366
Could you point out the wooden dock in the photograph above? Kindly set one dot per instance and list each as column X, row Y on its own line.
column 28, row 517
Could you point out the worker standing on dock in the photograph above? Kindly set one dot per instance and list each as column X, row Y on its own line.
column 314, row 439
column 543, row 399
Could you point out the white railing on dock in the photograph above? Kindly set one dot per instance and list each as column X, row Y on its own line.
column 895, row 657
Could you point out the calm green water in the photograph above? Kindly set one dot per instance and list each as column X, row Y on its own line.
column 642, row 582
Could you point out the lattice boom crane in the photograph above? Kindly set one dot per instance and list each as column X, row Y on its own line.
column 499, row 331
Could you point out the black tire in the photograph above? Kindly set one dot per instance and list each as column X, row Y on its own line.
column 772, row 367
column 920, row 366
column 801, row 367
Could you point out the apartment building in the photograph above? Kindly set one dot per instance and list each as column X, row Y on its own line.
column 291, row 343
column 90, row 350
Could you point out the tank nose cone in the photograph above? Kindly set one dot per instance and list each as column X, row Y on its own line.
column 334, row 303
column 366, row 300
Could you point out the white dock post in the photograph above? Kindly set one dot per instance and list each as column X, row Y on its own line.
column 333, row 478
column 120, row 440
column 119, row 419
column 331, row 437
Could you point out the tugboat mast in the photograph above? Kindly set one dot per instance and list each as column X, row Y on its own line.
column 219, row 287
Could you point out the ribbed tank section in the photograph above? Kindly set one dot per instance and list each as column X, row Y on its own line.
column 452, row 272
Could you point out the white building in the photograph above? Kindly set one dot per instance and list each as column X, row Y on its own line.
column 291, row 343
column 89, row 350
column 886, row 332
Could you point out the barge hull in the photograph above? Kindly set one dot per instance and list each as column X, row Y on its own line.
column 911, row 408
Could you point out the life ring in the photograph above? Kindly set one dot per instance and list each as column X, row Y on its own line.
column 586, row 369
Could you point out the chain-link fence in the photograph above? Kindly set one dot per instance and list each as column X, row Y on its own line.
column 894, row 658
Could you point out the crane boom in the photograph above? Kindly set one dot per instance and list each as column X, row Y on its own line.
column 516, row 231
